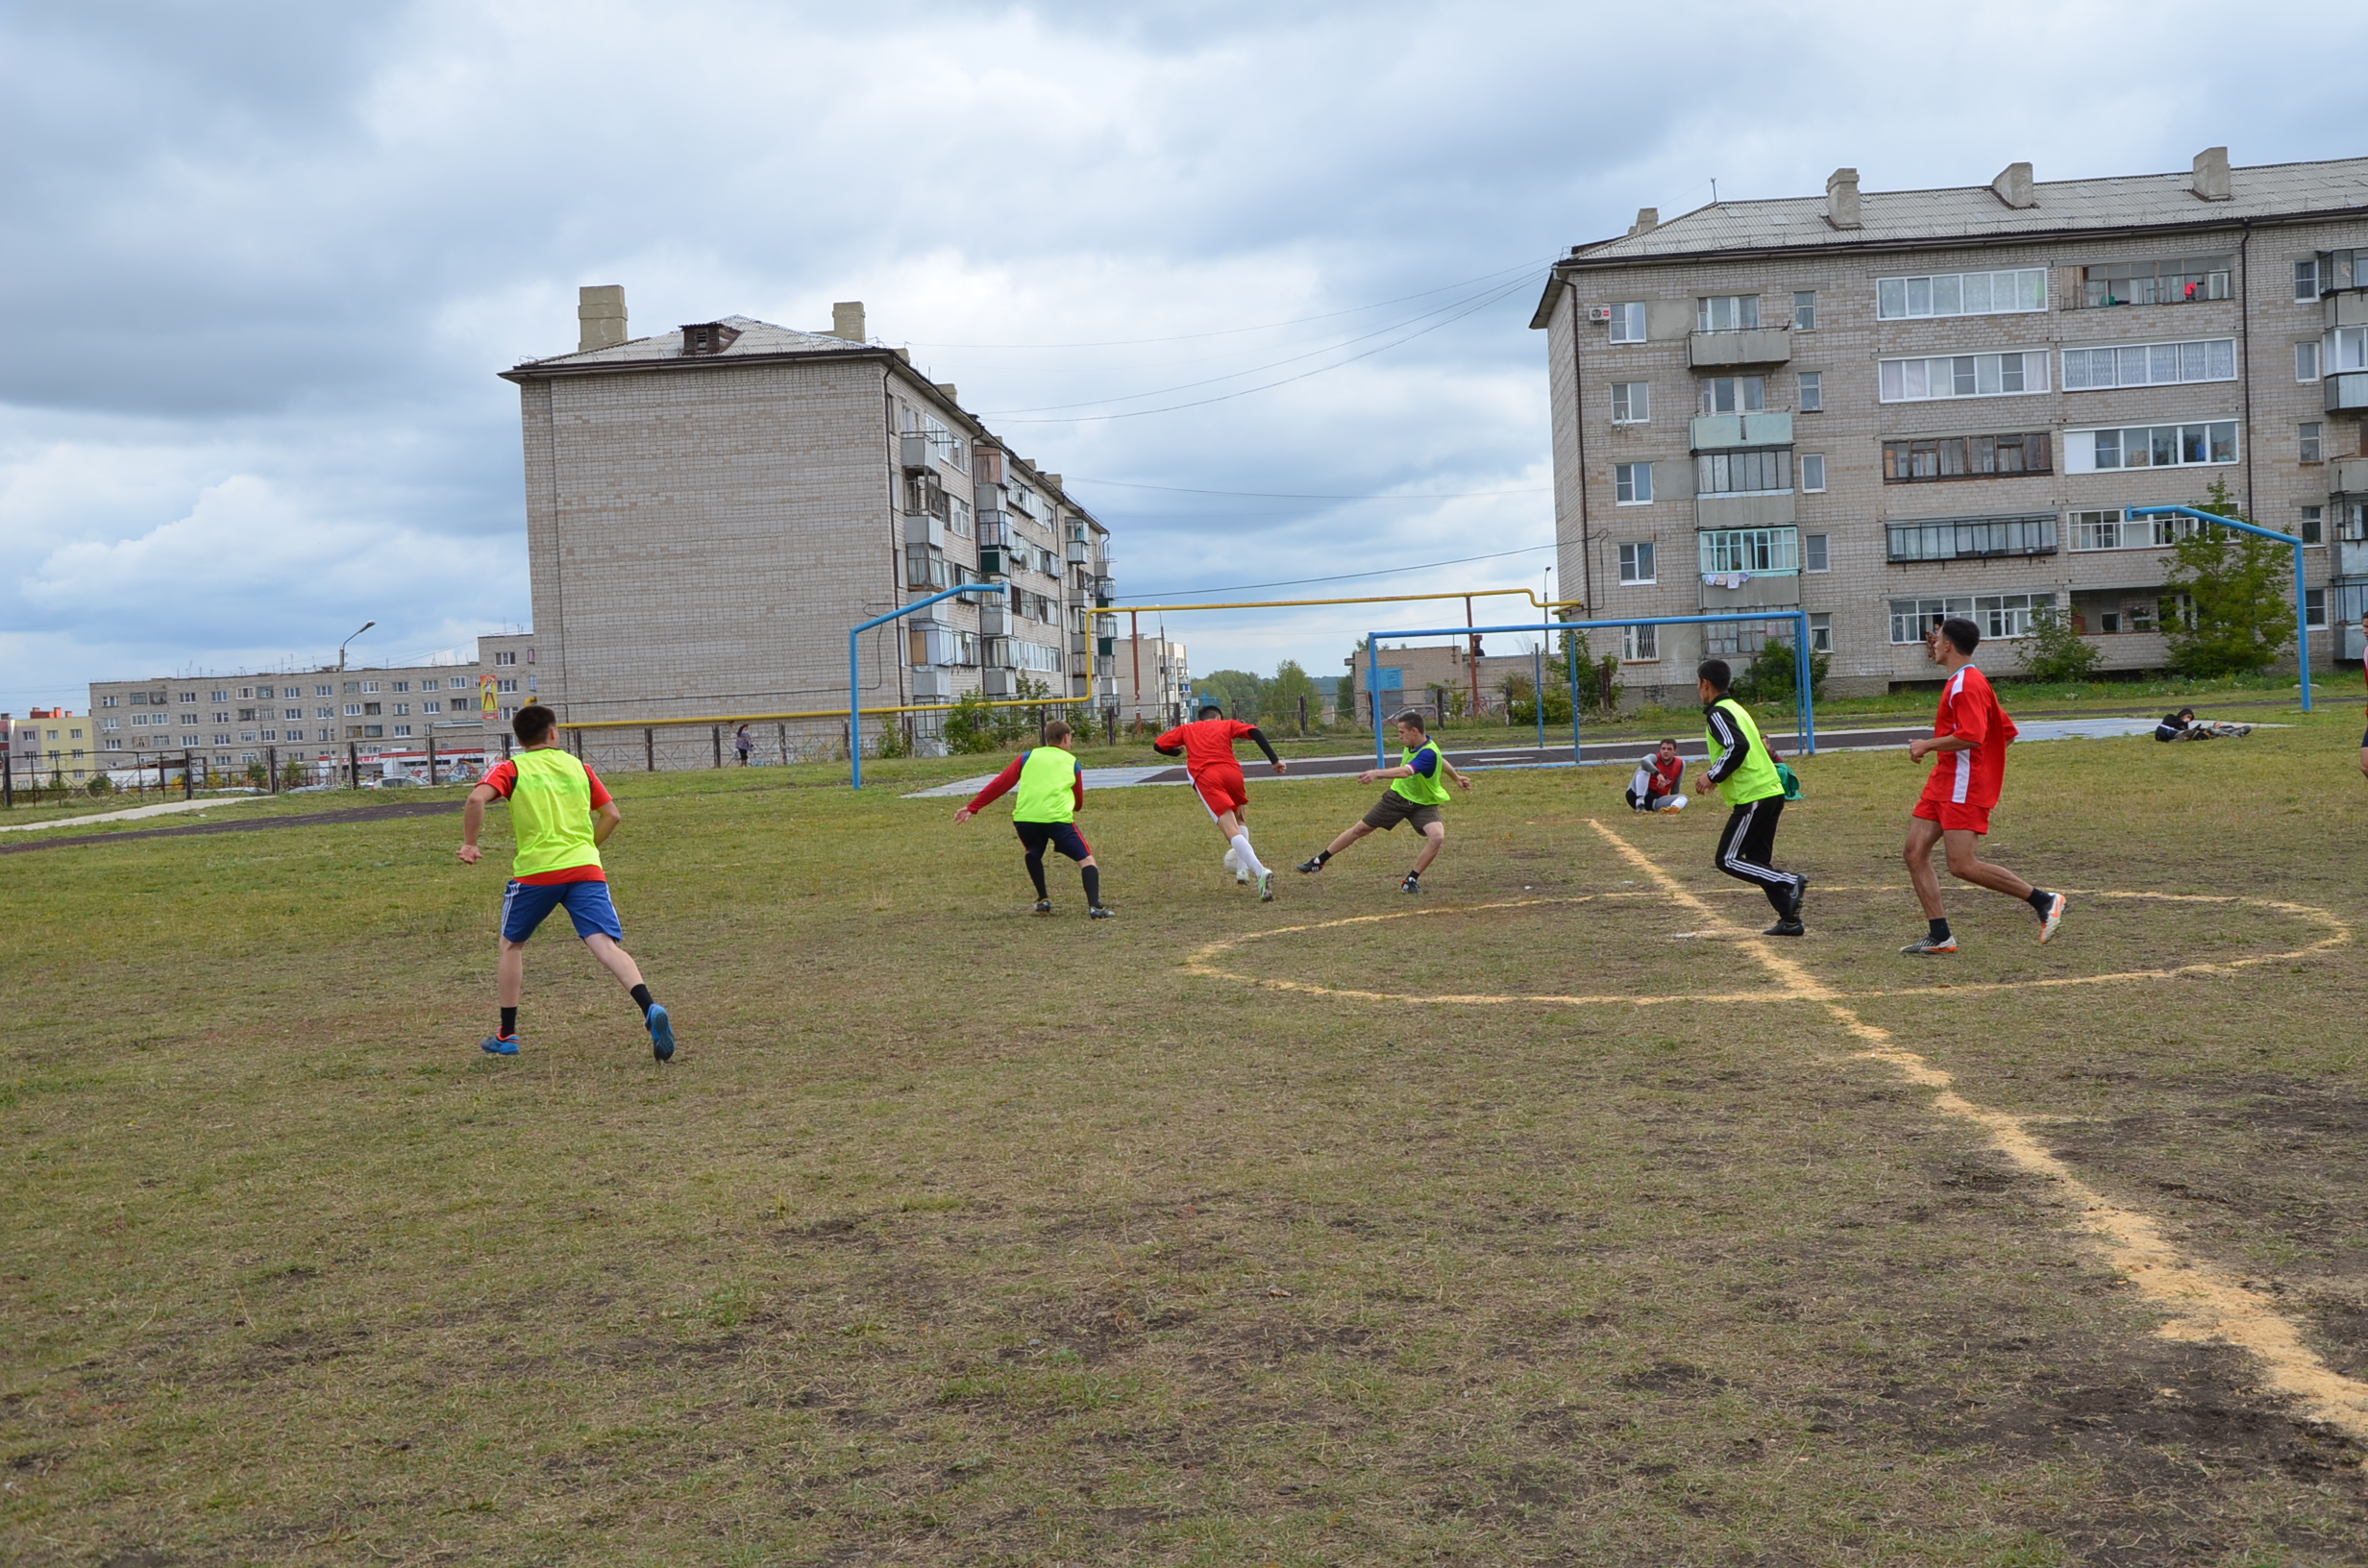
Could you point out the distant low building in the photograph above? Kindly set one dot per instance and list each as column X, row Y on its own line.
column 49, row 744
column 1436, row 681
column 1153, row 679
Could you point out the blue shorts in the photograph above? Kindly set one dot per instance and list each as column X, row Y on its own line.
column 526, row 905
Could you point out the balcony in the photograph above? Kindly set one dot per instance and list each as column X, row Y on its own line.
column 2345, row 307
column 1763, row 510
column 1971, row 538
column 1719, row 432
column 914, row 451
column 2347, row 391
column 994, row 619
column 2348, row 476
column 2350, row 559
column 924, row 528
column 1761, row 591
column 1752, row 345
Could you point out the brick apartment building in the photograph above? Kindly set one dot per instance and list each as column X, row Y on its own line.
column 1882, row 408
column 708, row 511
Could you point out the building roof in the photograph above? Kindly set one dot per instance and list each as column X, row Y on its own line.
column 1971, row 214
column 757, row 341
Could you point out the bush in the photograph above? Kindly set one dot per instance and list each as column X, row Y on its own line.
column 2056, row 651
column 1774, row 675
column 101, row 784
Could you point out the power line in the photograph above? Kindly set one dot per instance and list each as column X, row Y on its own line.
column 1340, row 577
column 1272, row 326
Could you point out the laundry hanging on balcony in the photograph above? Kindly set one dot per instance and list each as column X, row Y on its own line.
column 1726, row 580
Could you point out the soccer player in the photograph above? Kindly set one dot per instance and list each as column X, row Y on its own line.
column 1744, row 771
column 1206, row 746
column 1051, row 785
column 1970, row 735
column 1415, row 795
column 561, row 816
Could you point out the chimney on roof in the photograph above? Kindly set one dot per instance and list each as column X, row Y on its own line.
column 1841, row 198
column 1053, row 480
column 2012, row 187
column 2210, row 180
column 1648, row 219
column 847, row 320
column 945, row 390
column 599, row 317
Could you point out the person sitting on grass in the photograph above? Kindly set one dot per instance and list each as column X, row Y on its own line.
column 2184, row 725
column 1658, row 778
column 561, row 816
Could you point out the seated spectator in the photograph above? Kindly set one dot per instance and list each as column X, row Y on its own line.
column 1654, row 788
column 2184, row 725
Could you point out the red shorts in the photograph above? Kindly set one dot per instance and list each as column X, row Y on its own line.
column 1952, row 817
column 1223, row 790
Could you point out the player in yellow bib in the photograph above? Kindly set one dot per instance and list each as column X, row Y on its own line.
column 1417, row 788
column 1744, row 769
column 561, row 816
column 1051, row 785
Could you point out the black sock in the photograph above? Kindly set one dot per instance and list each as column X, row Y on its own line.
column 1322, row 855
column 510, row 1022
column 2039, row 900
column 1940, row 930
column 641, row 994
column 1036, row 874
column 1093, row 884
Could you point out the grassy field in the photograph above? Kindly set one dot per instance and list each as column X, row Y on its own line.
column 959, row 1235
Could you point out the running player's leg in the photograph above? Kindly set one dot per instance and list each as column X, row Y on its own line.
column 1736, row 842
column 595, row 915
column 1227, row 798
column 1923, row 833
column 1759, row 848
column 1033, row 837
column 1433, row 840
column 1964, row 850
column 1358, row 830
column 524, row 906
column 1070, row 842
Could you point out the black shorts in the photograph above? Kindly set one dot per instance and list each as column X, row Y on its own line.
column 1393, row 808
column 1061, row 835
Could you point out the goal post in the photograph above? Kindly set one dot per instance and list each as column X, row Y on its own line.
column 1804, row 694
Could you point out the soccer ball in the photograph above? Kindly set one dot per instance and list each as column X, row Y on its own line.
column 1233, row 864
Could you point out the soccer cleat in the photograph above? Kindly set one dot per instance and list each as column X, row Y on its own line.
column 1101, row 912
column 1412, row 884
column 1309, row 868
column 1792, row 911
column 661, row 1033
column 1043, row 906
column 1925, row 946
column 499, row 1044
column 1787, row 927
column 1266, row 887
column 2053, row 918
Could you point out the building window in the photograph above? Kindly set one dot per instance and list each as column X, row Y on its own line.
column 271, row 735
column 1961, row 294
column 2150, row 364
column 2112, row 529
column 508, row 656
column 1635, row 562
column 369, row 686
column 2311, row 528
column 1813, row 553
column 1973, row 538
column 1735, row 394
column 372, row 709
column 432, row 707
column 1628, row 322
column 1813, row 473
column 1639, row 645
column 295, row 734
column 1821, row 632
column 1753, row 470
column 2306, row 440
column 400, row 686
column 1764, row 552
column 1997, row 615
column 509, row 685
column 1962, row 376
column 1726, row 313
column 2189, row 280
column 353, row 710
column 2306, row 279
column 2150, row 446
column 2348, row 349
column 2306, row 361
column 2314, row 606
column 1967, row 457
column 1632, row 483
column 1804, row 309
column 324, row 690
column 401, row 730
column 218, row 697
column 1813, row 392
column 107, row 701
column 1631, row 403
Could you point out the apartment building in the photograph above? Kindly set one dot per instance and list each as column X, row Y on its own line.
column 1152, row 678
column 228, row 722
column 49, row 744
column 710, row 509
column 1884, row 408
column 1436, row 680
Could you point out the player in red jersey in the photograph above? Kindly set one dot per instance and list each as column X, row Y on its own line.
column 1206, row 746
column 1970, row 735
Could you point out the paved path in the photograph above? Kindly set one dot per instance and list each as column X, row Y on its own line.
column 1621, row 753
column 310, row 819
column 133, row 812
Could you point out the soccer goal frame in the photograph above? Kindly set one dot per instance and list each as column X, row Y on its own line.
column 1803, row 688
column 2301, row 592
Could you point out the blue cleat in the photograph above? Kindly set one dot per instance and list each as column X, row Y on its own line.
column 661, row 1033
column 499, row 1044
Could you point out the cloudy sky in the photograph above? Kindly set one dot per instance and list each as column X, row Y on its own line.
column 1255, row 276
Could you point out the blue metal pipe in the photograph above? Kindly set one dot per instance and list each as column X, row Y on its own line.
column 2302, row 595
column 854, row 678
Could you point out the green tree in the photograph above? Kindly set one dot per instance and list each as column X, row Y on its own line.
column 1289, row 685
column 1241, row 692
column 2056, row 651
column 2242, row 620
column 972, row 726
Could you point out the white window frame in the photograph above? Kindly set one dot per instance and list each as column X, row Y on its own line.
column 2310, row 441
column 1709, row 309
column 1631, row 403
column 1628, row 322
column 1638, row 563
column 1986, row 372
column 1812, row 469
column 1632, row 484
column 2214, row 356
column 1720, row 473
column 2001, row 617
column 2090, row 529
column 1898, row 299
column 1804, row 309
column 2306, row 361
column 1817, row 553
column 1746, row 394
column 2310, row 526
column 1639, row 643
column 1812, row 391
column 1764, row 552
column 2306, row 279
column 1821, row 632
column 2314, row 607
column 2085, row 447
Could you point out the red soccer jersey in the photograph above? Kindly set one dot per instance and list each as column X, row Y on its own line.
column 503, row 776
column 1208, row 743
column 1969, row 710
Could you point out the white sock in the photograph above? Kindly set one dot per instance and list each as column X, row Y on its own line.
column 1232, row 862
column 1248, row 856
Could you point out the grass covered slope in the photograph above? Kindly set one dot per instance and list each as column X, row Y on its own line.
column 955, row 1234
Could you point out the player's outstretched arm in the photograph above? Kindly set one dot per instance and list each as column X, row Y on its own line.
column 473, row 822
column 1254, row 733
column 604, row 820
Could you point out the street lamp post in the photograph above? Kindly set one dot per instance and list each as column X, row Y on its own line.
column 365, row 626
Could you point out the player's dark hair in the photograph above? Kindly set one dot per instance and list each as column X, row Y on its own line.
column 1057, row 730
column 1962, row 634
column 1666, row 742
column 531, row 723
column 2186, row 712
column 1716, row 672
column 1210, row 710
column 1411, row 717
